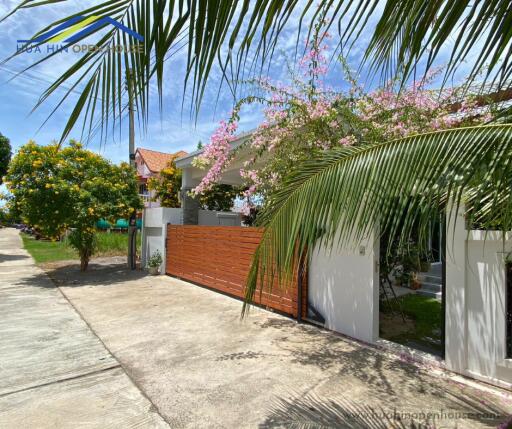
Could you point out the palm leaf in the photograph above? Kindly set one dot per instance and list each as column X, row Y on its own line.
column 229, row 33
column 342, row 196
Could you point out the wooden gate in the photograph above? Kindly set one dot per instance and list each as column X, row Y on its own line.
column 219, row 257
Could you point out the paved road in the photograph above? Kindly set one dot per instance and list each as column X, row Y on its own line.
column 54, row 371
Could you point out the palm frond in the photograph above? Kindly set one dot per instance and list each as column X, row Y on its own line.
column 342, row 196
column 229, row 33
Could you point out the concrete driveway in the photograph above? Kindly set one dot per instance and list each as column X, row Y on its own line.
column 185, row 354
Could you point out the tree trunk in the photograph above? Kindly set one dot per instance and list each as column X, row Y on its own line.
column 84, row 262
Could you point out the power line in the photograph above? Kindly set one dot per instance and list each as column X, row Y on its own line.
column 34, row 78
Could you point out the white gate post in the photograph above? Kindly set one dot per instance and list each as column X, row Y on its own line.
column 455, row 287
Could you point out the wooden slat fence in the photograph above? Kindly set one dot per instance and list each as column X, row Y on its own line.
column 219, row 257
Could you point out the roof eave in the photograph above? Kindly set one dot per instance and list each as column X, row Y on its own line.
column 186, row 161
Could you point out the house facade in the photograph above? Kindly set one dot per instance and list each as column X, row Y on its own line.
column 149, row 163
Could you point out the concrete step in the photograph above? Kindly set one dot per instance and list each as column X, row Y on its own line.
column 436, row 266
column 434, row 287
column 430, row 294
column 429, row 278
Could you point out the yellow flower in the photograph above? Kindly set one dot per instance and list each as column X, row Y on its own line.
column 90, row 210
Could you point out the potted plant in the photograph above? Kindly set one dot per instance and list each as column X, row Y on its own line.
column 415, row 283
column 154, row 263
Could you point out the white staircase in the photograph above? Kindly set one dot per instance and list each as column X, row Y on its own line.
column 432, row 281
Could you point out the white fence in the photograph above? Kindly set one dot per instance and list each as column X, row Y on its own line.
column 154, row 221
column 343, row 286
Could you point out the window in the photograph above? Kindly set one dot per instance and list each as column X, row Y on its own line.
column 508, row 285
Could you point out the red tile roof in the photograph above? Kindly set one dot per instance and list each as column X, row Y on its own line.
column 157, row 161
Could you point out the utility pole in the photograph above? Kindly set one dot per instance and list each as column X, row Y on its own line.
column 132, row 227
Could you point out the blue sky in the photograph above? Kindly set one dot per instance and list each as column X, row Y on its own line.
column 171, row 131
column 168, row 132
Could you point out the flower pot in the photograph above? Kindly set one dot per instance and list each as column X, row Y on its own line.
column 415, row 283
column 154, row 271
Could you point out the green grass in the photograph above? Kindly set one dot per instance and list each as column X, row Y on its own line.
column 109, row 244
column 426, row 314
column 47, row 251
column 114, row 244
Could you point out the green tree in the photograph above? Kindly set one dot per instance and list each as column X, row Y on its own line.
column 220, row 198
column 70, row 189
column 5, row 155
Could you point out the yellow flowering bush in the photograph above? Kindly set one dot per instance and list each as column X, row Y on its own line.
column 70, row 188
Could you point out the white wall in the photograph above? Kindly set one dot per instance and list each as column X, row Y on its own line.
column 154, row 231
column 486, row 305
column 455, row 294
column 214, row 218
column 343, row 287
column 156, row 217
column 476, row 304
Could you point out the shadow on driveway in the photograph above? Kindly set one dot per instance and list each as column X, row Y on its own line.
column 311, row 411
column 8, row 258
column 101, row 272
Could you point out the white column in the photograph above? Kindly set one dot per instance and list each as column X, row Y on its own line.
column 455, row 303
column 189, row 204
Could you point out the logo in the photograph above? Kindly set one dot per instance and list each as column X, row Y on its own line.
column 72, row 31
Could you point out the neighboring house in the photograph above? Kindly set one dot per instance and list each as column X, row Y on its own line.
column 149, row 163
